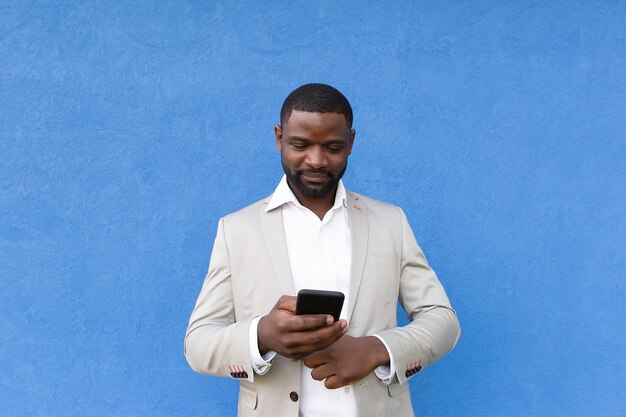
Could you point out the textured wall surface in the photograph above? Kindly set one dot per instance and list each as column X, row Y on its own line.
column 128, row 128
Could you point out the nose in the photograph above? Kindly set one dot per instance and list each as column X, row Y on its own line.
column 316, row 158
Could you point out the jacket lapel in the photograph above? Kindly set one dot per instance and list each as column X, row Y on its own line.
column 274, row 233
column 359, row 233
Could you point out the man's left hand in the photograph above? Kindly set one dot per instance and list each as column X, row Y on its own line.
column 347, row 360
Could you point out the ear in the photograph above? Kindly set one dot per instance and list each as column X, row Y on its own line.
column 351, row 141
column 278, row 132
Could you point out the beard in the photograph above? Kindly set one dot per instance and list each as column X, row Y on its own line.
column 294, row 179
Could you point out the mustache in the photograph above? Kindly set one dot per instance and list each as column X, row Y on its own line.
column 312, row 172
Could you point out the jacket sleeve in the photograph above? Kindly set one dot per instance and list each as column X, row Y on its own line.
column 434, row 328
column 215, row 342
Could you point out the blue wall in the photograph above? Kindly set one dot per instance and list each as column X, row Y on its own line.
column 128, row 128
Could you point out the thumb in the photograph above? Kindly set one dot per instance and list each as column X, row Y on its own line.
column 287, row 303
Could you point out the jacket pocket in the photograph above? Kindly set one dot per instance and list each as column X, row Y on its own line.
column 397, row 388
column 381, row 258
column 248, row 397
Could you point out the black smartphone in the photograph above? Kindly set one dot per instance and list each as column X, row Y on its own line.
column 320, row 302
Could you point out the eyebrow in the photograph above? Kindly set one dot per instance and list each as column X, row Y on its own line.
column 301, row 139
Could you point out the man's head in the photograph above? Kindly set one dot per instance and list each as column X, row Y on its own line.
column 314, row 138
column 316, row 98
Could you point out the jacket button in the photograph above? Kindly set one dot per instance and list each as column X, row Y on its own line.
column 244, row 374
column 293, row 396
column 419, row 368
column 407, row 373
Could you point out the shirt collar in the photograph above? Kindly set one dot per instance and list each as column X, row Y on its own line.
column 284, row 195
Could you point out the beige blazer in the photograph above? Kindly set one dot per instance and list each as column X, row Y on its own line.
column 249, row 270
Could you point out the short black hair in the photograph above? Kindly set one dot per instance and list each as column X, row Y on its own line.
column 316, row 98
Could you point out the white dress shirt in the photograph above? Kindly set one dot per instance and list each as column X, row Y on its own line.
column 320, row 254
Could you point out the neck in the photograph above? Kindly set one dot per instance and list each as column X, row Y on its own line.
column 318, row 204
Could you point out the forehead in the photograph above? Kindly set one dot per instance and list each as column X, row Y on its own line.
column 301, row 122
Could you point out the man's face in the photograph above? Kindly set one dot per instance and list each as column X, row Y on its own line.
column 314, row 150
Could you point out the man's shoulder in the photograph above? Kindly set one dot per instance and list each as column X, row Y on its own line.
column 381, row 215
column 249, row 212
column 370, row 203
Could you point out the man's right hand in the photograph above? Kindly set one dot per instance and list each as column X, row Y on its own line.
column 292, row 336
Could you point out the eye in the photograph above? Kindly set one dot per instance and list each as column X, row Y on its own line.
column 299, row 146
column 335, row 149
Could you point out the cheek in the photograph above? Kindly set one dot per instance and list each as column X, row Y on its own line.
column 291, row 160
column 338, row 162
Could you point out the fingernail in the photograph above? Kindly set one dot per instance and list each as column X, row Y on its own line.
column 329, row 320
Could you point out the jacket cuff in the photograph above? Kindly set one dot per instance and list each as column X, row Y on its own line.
column 386, row 373
column 260, row 363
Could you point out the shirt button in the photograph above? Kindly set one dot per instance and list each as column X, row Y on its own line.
column 293, row 396
column 347, row 390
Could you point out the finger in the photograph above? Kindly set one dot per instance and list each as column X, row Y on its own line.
column 287, row 302
column 322, row 372
column 329, row 335
column 316, row 340
column 306, row 322
column 302, row 344
column 334, row 382
column 315, row 359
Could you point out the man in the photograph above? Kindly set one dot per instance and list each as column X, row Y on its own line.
column 312, row 233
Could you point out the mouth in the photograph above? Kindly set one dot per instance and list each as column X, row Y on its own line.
column 314, row 176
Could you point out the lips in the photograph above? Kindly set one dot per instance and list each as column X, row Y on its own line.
column 314, row 176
